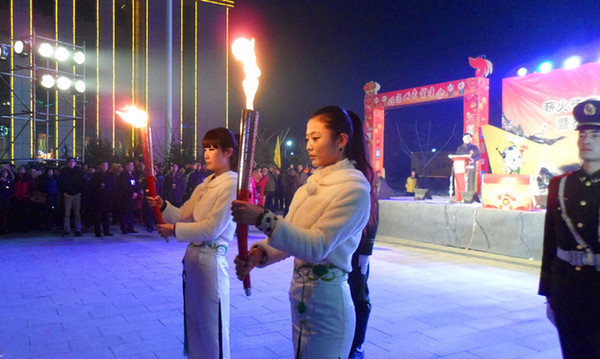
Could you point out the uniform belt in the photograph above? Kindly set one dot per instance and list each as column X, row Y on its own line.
column 219, row 248
column 579, row 258
column 312, row 272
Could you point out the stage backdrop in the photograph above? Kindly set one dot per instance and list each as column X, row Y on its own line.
column 539, row 108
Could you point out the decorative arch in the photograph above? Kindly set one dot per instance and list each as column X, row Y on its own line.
column 475, row 94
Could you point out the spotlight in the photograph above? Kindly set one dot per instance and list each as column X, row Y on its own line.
column 47, row 81
column 522, row 72
column 572, row 62
column 61, row 54
column 79, row 57
column 4, row 51
column 63, row 83
column 46, row 50
column 22, row 47
column 546, row 67
column 80, row 86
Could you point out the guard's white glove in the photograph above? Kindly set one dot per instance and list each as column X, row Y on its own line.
column 363, row 263
column 550, row 313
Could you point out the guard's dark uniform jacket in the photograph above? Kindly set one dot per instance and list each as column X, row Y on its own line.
column 572, row 284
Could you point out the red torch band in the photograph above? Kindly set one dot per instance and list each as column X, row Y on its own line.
column 145, row 134
column 248, row 129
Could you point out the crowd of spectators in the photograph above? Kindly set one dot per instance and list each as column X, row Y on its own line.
column 78, row 198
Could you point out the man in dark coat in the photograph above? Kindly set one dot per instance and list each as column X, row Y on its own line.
column 72, row 184
column 128, row 191
column 101, row 192
column 467, row 148
column 570, row 273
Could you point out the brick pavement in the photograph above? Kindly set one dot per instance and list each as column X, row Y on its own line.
column 120, row 297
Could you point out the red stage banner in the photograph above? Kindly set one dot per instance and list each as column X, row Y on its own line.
column 539, row 107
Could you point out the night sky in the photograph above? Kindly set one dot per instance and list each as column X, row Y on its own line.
column 316, row 53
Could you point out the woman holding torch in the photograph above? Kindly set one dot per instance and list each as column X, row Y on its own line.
column 205, row 222
column 322, row 230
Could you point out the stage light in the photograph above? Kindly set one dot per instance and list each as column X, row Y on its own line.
column 522, row 72
column 63, row 83
column 433, row 149
column 61, row 54
column 288, row 143
column 545, row 67
column 46, row 50
column 22, row 47
column 47, row 81
column 572, row 62
column 80, row 86
column 79, row 57
column 4, row 51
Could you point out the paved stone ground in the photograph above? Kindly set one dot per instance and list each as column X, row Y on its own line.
column 120, row 297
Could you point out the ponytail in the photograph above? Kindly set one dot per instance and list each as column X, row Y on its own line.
column 358, row 151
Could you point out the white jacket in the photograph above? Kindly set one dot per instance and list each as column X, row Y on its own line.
column 325, row 220
column 206, row 216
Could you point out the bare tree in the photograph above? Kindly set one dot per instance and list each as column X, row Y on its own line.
column 421, row 143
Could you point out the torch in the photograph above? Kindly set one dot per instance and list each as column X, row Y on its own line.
column 243, row 50
column 139, row 119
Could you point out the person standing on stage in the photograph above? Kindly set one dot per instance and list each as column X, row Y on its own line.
column 128, row 190
column 570, row 272
column 412, row 183
column 467, row 148
column 322, row 230
column 205, row 222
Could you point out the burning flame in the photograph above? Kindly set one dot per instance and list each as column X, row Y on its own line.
column 134, row 116
column 243, row 50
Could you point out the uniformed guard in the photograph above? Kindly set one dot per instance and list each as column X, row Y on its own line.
column 570, row 273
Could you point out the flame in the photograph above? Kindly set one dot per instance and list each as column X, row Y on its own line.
column 243, row 50
column 134, row 116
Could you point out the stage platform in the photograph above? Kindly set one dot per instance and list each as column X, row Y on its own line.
column 462, row 225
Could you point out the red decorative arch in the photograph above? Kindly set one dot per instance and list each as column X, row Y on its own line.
column 475, row 94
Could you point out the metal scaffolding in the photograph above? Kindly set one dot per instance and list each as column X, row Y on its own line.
column 47, row 121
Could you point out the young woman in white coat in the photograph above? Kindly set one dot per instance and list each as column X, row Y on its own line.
column 205, row 222
column 322, row 230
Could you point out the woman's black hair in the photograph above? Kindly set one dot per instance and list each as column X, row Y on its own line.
column 339, row 121
column 222, row 138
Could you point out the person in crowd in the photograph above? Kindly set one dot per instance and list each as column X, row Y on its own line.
column 170, row 185
column 290, row 186
column 261, row 183
column 179, row 188
column 412, row 183
column 7, row 187
column 101, row 197
column 570, row 270
column 21, row 204
column 205, row 222
column 195, row 177
column 147, row 212
column 279, row 189
column 302, row 175
column 270, row 188
column 48, row 184
column 71, row 184
column 128, row 191
column 116, row 208
column 467, row 148
column 322, row 230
